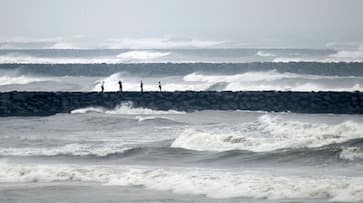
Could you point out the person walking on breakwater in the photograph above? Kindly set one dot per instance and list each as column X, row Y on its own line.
column 103, row 86
column 160, row 86
column 141, row 86
column 120, row 85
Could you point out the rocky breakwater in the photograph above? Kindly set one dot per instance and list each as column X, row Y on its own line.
column 50, row 103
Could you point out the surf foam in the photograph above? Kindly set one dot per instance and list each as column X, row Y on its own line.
column 265, row 54
column 141, row 55
column 125, row 57
column 213, row 183
column 70, row 149
column 20, row 80
column 351, row 153
column 125, row 108
column 267, row 134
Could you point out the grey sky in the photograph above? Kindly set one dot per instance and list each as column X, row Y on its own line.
column 293, row 23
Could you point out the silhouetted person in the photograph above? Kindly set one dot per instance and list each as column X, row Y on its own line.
column 141, row 86
column 160, row 86
column 103, row 86
column 120, row 85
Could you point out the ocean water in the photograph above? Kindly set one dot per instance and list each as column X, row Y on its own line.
column 132, row 154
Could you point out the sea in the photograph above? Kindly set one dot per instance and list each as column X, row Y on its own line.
column 130, row 154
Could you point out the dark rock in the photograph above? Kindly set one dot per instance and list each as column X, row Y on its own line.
column 50, row 103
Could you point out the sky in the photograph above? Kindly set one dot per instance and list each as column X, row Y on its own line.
column 174, row 23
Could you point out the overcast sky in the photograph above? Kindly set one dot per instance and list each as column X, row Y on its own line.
column 293, row 23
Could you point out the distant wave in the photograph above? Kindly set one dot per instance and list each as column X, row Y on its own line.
column 349, row 55
column 173, row 56
column 74, row 42
column 272, row 80
column 125, row 57
column 339, row 56
column 69, row 149
column 132, row 84
column 20, row 79
column 124, row 109
column 214, row 183
column 265, row 54
column 252, row 80
column 159, row 43
column 282, row 134
column 182, row 77
column 243, row 77
column 141, row 55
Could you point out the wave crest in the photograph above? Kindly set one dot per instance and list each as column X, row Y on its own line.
column 267, row 134
column 209, row 182
column 70, row 149
column 125, row 108
column 265, row 54
column 351, row 153
column 141, row 55
column 21, row 80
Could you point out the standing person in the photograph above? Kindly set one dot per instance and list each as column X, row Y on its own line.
column 103, row 86
column 160, row 86
column 141, row 86
column 120, row 85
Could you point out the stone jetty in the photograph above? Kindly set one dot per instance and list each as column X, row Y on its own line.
column 50, row 103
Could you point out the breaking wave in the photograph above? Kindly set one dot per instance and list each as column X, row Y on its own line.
column 141, row 55
column 265, row 54
column 270, row 75
column 351, row 153
column 274, row 80
column 214, row 183
column 125, row 57
column 350, row 56
column 269, row 133
column 125, row 109
column 160, row 43
column 252, row 80
column 21, row 80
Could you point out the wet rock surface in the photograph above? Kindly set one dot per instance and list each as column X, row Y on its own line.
column 50, row 103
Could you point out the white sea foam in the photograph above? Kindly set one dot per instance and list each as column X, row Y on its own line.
column 125, row 108
column 262, row 80
column 145, row 118
column 20, row 80
column 351, row 153
column 159, row 43
column 24, row 59
column 69, row 149
column 257, row 76
column 210, row 182
column 274, row 80
column 141, row 55
column 63, row 45
column 267, row 134
column 126, row 57
column 349, row 55
column 265, row 54
column 243, row 77
column 150, row 84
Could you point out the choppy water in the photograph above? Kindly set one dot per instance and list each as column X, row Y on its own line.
column 219, row 155
column 132, row 154
column 215, row 69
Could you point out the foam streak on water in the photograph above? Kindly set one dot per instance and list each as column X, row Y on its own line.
column 213, row 183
